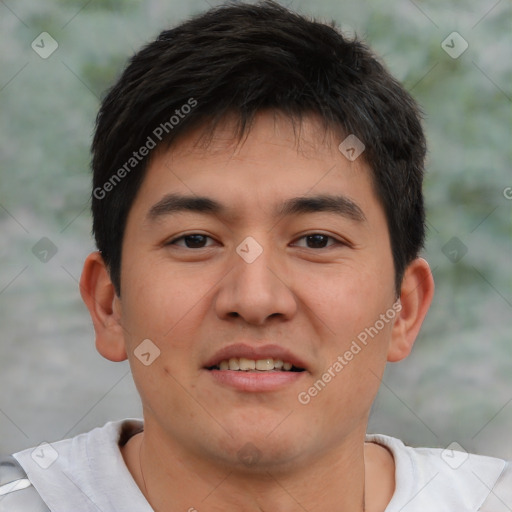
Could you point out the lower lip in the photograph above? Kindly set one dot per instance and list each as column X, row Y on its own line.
column 255, row 381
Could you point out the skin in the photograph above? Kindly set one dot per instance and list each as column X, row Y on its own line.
column 190, row 302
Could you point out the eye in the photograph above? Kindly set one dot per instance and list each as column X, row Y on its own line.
column 317, row 241
column 192, row 241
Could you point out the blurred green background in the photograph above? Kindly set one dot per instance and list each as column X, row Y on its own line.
column 457, row 384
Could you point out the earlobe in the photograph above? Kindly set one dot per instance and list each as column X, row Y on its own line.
column 104, row 306
column 416, row 295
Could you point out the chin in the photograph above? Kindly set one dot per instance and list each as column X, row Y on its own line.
column 259, row 450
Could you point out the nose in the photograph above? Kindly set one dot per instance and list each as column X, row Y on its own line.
column 256, row 289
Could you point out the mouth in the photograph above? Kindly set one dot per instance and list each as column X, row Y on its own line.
column 251, row 368
column 242, row 357
column 269, row 364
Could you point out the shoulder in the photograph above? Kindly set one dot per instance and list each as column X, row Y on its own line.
column 17, row 494
column 447, row 479
column 72, row 472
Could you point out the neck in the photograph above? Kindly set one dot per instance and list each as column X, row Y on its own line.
column 173, row 478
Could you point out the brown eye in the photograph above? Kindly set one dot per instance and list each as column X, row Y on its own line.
column 316, row 241
column 194, row 241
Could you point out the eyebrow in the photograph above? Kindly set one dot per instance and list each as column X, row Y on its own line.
column 341, row 205
column 174, row 203
column 338, row 204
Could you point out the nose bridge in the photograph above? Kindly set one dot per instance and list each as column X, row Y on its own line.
column 254, row 290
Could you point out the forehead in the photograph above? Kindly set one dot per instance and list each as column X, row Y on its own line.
column 276, row 160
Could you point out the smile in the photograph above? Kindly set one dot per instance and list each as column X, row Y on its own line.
column 256, row 365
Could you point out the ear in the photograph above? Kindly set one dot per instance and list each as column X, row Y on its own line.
column 104, row 306
column 416, row 295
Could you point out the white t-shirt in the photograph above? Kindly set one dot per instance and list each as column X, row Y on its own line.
column 87, row 474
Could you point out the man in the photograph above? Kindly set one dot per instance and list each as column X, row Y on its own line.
column 258, row 212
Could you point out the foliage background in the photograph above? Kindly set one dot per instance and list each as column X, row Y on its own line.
column 457, row 384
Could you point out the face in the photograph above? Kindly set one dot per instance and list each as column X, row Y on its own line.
column 285, row 261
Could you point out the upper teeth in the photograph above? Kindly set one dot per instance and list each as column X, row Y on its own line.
column 241, row 363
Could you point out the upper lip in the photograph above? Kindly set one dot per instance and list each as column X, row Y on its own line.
column 251, row 352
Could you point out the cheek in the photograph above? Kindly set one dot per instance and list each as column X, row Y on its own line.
column 348, row 298
column 354, row 339
column 167, row 307
column 157, row 297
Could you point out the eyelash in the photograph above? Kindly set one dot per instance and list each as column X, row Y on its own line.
column 336, row 241
column 173, row 242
